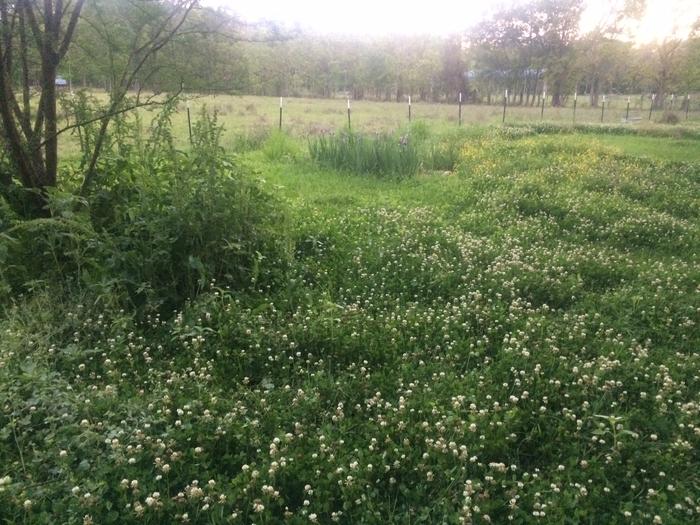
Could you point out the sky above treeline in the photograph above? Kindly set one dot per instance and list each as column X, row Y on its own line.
column 662, row 19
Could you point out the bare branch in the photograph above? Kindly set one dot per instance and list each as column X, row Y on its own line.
column 71, row 28
column 33, row 23
column 149, row 102
column 161, row 37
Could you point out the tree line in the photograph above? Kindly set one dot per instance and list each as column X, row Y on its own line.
column 529, row 48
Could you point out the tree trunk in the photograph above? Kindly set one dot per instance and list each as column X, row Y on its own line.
column 594, row 92
column 48, row 97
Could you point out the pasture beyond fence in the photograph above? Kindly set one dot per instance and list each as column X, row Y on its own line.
column 248, row 114
column 633, row 111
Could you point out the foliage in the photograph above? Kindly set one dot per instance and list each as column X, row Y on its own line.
column 161, row 227
column 382, row 155
column 250, row 140
column 515, row 49
column 550, row 128
column 444, row 151
column 514, row 343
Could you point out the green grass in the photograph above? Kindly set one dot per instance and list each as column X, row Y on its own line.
column 514, row 340
column 655, row 148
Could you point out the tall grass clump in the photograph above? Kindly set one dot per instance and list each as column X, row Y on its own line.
column 279, row 145
column 381, row 155
column 443, row 152
column 251, row 140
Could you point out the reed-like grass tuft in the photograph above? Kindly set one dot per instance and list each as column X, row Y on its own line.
column 382, row 155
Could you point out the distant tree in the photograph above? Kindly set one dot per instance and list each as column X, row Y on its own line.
column 454, row 69
column 663, row 61
column 689, row 77
column 523, row 43
column 602, row 56
column 559, row 31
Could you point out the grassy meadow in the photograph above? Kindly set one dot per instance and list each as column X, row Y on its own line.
column 252, row 115
column 508, row 335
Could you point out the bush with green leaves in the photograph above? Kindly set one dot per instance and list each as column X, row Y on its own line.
column 161, row 225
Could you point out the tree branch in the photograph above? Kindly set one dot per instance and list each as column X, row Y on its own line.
column 71, row 28
column 149, row 102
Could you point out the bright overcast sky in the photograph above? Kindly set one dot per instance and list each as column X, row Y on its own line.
column 437, row 17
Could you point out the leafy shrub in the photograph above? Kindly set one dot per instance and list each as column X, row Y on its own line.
column 155, row 233
column 180, row 230
column 381, row 155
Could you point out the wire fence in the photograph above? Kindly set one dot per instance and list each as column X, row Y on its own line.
column 641, row 109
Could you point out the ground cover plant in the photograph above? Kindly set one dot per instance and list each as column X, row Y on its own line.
column 510, row 335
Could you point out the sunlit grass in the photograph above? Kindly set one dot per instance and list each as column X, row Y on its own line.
column 241, row 115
